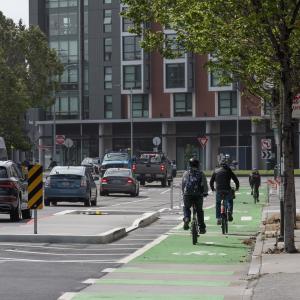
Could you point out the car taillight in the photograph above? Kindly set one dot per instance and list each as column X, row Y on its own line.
column 83, row 182
column 7, row 184
column 48, row 182
column 133, row 167
column 129, row 180
column 104, row 180
column 162, row 168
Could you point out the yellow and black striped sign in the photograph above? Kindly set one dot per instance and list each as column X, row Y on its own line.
column 35, row 187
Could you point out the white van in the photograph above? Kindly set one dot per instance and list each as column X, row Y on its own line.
column 3, row 152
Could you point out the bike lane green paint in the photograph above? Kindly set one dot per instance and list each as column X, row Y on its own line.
column 212, row 249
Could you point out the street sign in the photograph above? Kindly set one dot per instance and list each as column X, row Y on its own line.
column 35, row 186
column 296, row 107
column 68, row 143
column 60, row 139
column 266, row 154
column 202, row 140
column 266, row 144
column 156, row 141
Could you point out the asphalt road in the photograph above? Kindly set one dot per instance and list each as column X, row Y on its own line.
column 46, row 271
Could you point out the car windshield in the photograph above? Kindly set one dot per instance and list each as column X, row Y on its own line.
column 65, row 176
column 122, row 173
column 67, row 171
column 3, row 172
column 115, row 156
column 152, row 157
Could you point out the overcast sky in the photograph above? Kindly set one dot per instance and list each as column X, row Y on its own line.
column 15, row 9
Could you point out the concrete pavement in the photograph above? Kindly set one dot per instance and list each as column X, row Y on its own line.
column 86, row 226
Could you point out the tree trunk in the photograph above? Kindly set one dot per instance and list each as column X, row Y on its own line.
column 288, row 165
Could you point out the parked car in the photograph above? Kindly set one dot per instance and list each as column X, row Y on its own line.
column 13, row 192
column 119, row 180
column 152, row 166
column 115, row 160
column 92, row 163
column 70, row 184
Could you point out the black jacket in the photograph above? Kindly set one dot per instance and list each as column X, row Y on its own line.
column 222, row 177
column 254, row 179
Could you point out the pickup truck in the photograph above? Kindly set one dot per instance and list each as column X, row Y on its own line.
column 115, row 160
column 152, row 166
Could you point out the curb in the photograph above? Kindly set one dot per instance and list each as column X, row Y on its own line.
column 102, row 238
column 144, row 221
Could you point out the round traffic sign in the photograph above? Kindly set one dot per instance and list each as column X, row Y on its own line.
column 156, row 141
column 69, row 143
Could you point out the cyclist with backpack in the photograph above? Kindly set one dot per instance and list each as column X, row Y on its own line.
column 254, row 181
column 194, row 188
column 222, row 176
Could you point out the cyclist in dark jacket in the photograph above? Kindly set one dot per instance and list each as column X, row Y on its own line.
column 194, row 194
column 222, row 176
column 254, row 181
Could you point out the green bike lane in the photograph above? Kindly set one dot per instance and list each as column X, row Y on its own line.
column 214, row 269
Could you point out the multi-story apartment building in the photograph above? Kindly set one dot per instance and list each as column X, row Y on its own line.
column 174, row 99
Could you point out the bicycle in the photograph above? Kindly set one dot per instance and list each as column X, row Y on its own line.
column 224, row 214
column 194, row 225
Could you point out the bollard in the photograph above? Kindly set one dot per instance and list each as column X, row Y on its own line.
column 171, row 194
column 268, row 193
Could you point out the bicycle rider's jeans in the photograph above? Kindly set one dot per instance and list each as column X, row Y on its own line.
column 188, row 201
column 229, row 200
column 256, row 189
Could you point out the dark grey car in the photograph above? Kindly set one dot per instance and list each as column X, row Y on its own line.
column 119, row 180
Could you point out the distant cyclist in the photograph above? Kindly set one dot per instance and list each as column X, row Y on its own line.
column 194, row 188
column 254, row 181
column 222, row 176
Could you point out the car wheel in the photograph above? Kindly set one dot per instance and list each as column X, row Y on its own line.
column 46, row 202
column 102, row 193
column 54, row 203
column 169, row 182
column 163, row 182
column 94, row 202
column 88, row 202
column 26, row 214
column 137, row 192
column 16, row 213
column 143, row 182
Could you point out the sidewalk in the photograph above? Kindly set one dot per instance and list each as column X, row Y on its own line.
column 171, row 267
column 276, row 274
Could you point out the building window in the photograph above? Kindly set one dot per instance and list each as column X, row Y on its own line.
column 267, row 108
column 107, row 77
column 172, row 43
column 59, row 3
column 227, row 103
column 66, row 50
column 63, row 23
column 132, row 77
column 107, row 20
column 183, row 104
column 215, row 79
column 107, row 1
column 140, row 106
column 126, row 24
column 70, row 74
column 107, row 49
column 108, row 107
column 175, row 76
column 131, row 48
column 66, row 107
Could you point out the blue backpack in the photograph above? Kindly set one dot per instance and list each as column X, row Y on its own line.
column 193, row 183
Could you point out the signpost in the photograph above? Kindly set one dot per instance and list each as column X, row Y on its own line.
column 69, row 144
column 156, row 142
column 266, row 154
column 203, row 141
column 296, row 107
column 35, row 190
column 266, row 144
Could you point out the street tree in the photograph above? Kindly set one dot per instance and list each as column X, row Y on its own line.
column 29, row 72
column 255, row 43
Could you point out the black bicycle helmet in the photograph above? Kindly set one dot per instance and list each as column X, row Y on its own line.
column 194, row 162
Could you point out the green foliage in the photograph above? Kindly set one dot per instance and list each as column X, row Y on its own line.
column 28, row 72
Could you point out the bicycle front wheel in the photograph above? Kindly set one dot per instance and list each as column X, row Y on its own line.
column 224, row 225
column 194, row 232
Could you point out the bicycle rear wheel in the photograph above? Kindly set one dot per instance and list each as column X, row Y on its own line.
column 194, row 232
column 224, row 225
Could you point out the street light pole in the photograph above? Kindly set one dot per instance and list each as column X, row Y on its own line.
column 54, row 132
column 237, row 131
column 131, row 125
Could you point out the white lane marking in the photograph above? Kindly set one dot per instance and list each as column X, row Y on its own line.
column 109, row 270
column 246, row 218
column 67, row 296
column 64, row 212
column 90, row 281
column 206, row 218
column 9, row 259
column 122, row 203
column 142, row 250
column 64, row 254
column 136, row 223
column 166, row 191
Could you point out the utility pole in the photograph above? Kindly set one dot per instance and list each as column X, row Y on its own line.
column 131, row 125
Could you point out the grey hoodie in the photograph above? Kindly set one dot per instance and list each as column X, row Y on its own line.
column 204, row 186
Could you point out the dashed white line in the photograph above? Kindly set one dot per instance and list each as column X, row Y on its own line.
column 122, row 203
column 90, row 281
column 67, row 296
column 246, row 218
